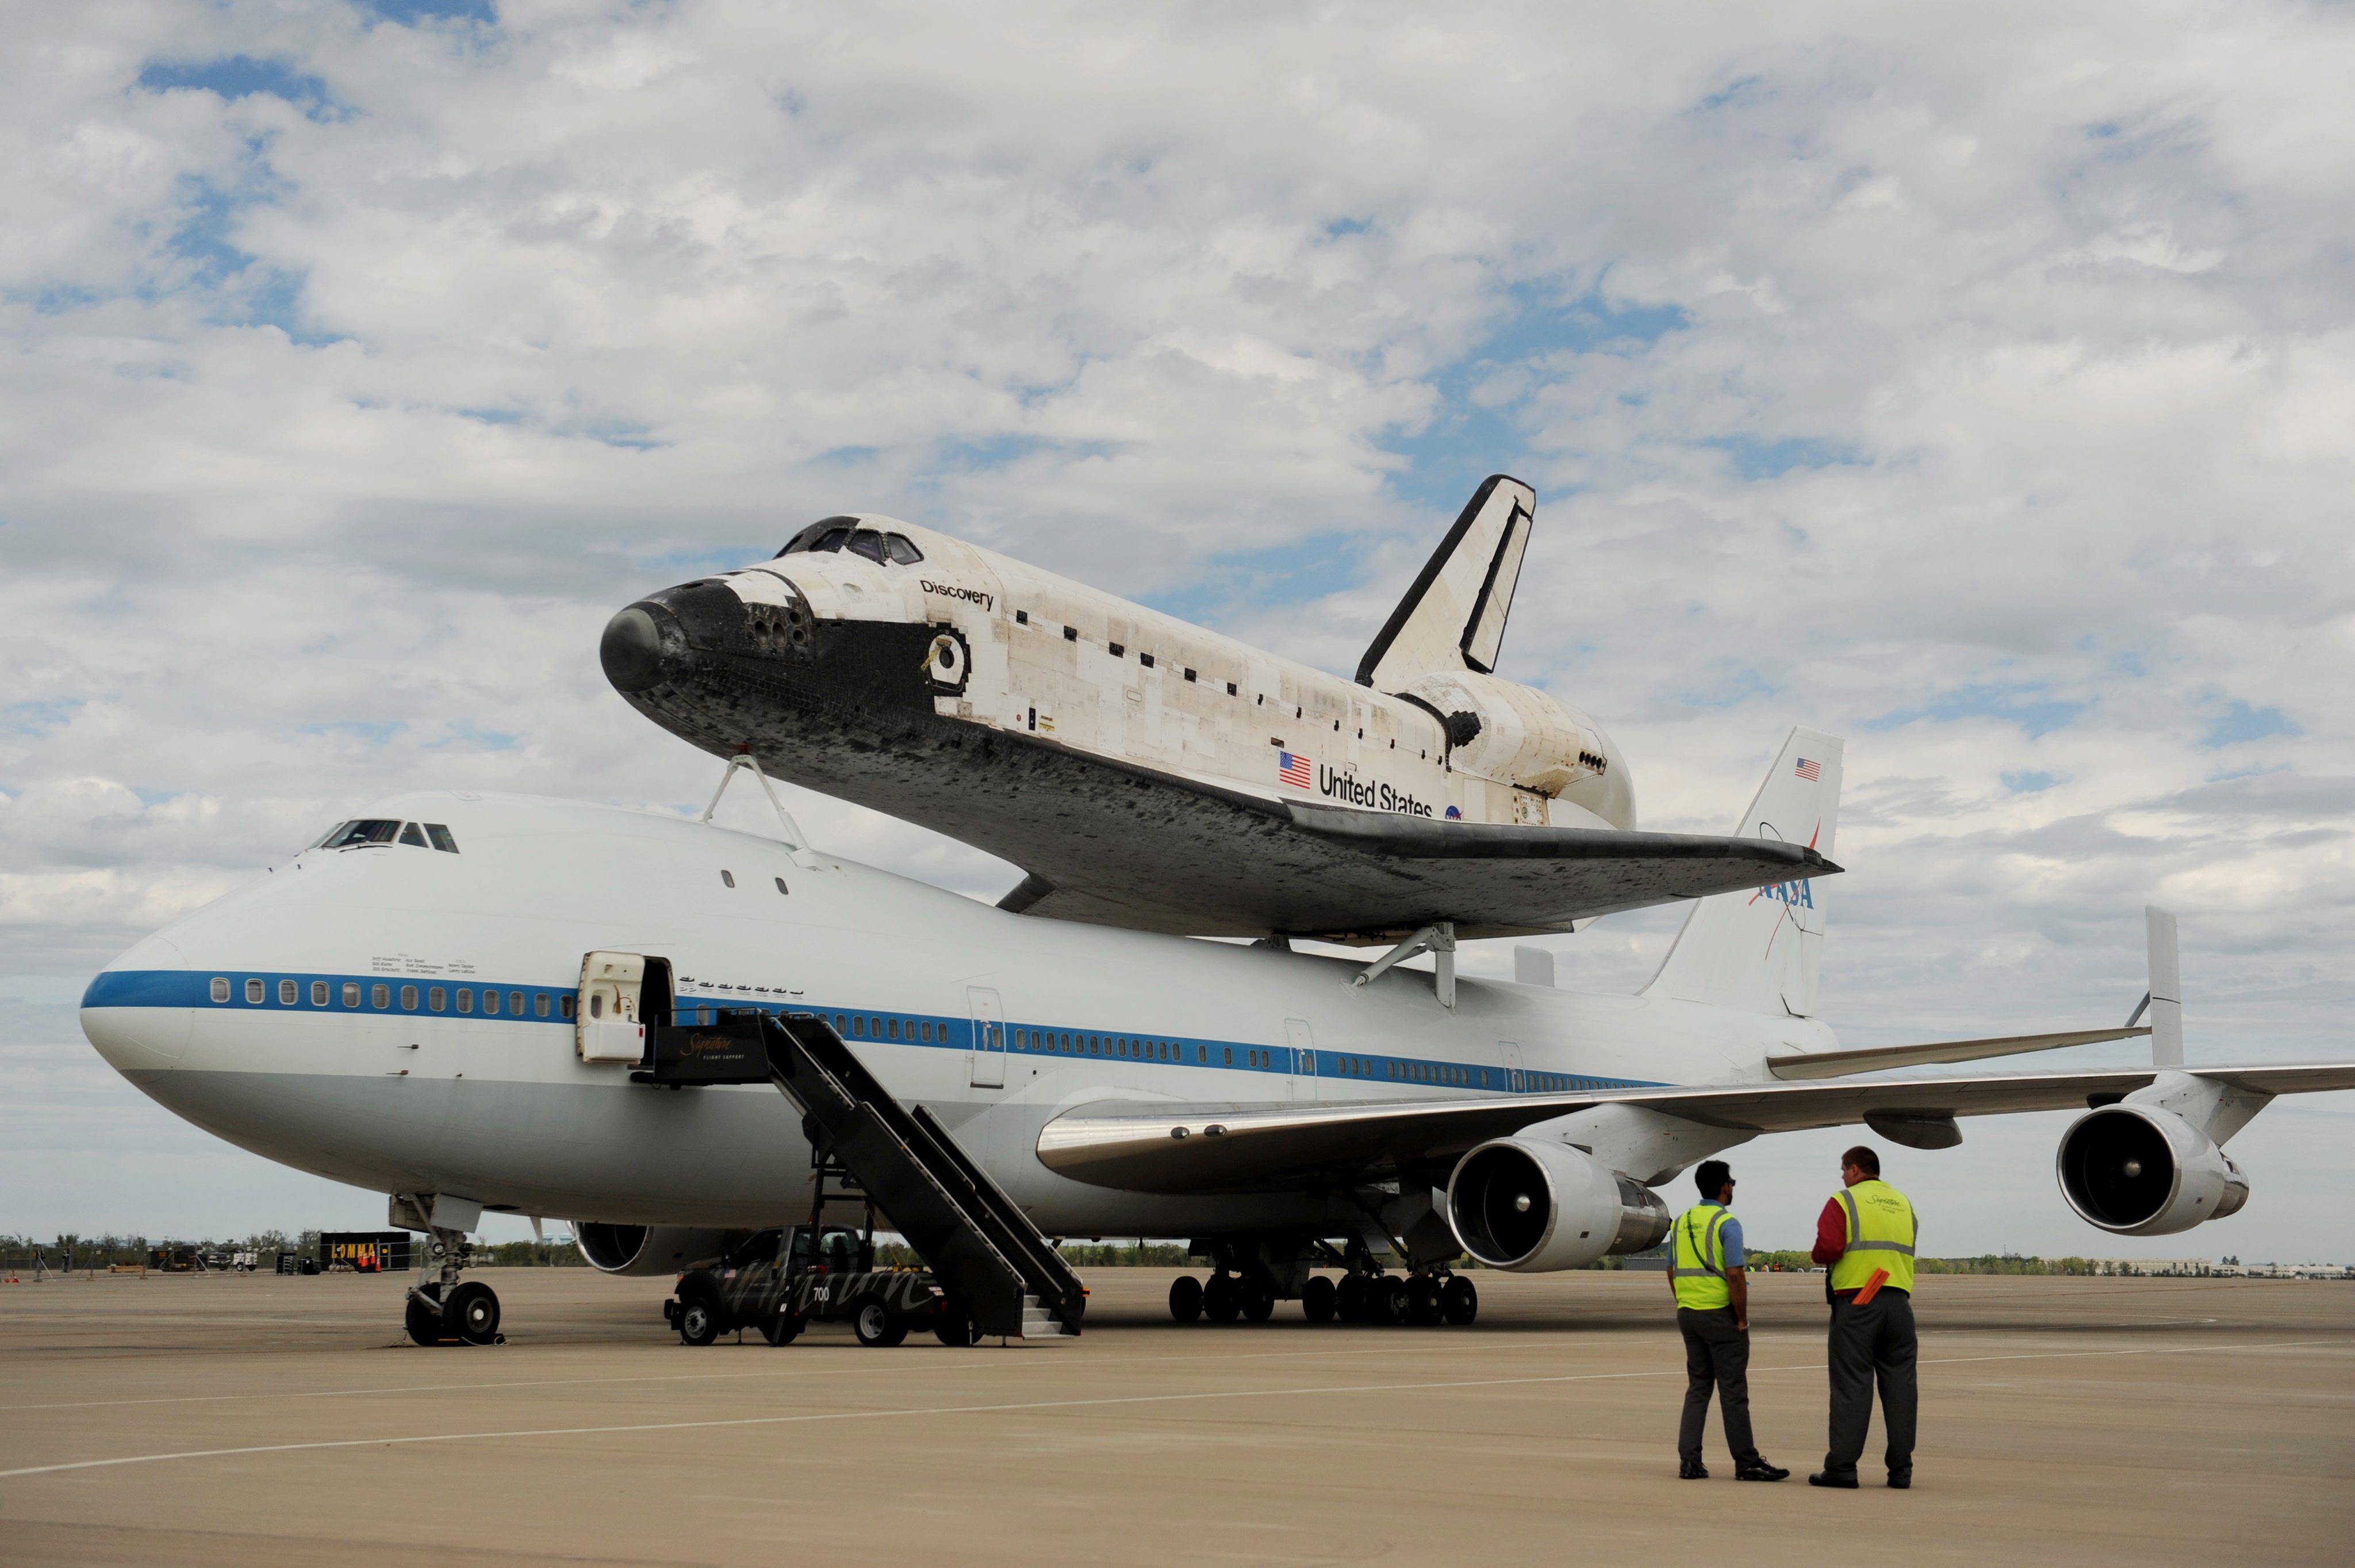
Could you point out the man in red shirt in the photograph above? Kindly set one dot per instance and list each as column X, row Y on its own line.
column 1865, row 1238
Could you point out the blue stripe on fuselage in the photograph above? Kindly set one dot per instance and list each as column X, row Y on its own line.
column 193, row 989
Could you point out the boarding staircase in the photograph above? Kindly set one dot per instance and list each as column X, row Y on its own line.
column 978, row 1244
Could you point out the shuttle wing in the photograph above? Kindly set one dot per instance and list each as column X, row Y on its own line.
column 1116, row 845
column 1240, row 1148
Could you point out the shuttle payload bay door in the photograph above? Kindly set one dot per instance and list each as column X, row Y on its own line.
column 988, row 1054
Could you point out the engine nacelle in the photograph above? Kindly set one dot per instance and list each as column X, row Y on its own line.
column 2139, row 1171
column 636, row 1250
column 1529, row 1207
column 1520, row 736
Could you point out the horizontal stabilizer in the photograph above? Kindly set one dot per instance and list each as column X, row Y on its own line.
column 1879, row 1059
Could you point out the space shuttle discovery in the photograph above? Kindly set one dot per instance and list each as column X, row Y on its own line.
column 1148, row 774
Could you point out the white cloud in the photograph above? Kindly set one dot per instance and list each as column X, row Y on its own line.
column 1973, row 384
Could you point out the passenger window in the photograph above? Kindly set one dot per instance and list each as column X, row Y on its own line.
column 926, row 1029
column 515, row 1003
column 540, row 1005
column 859, row 1026
column 441, row 837
column 436, row 998
column 221, row 988
column 379, row 995
column 729, row 878
column 409, row 998
column 490, row 1002
column 318, row 993
column 285, row 993
column 781, row 885
column 565, row 1004
column 351, row 993
column 466, row 999
column 1227, row 1053
column 895, row 1028
column 596, row 1006
column 869, row 543
column 412, row 833
column 901, row 549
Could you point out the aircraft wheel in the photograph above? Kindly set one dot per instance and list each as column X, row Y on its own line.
column 1385, row 1301
column 424, row 1324
column 783, row 1329
column 472, row 1310
column 876, row 1328
column 1222, row 1299
column 956, row 1327
column 1259, row 1300
column 1421, row 1306
column 1184, row 1298
column 1459, row 1302
column 1316, row 1299
column 1349, row 1298
column 699, row 1318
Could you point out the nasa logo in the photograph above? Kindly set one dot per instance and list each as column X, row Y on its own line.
column 1797, row 895
column 1454, row 814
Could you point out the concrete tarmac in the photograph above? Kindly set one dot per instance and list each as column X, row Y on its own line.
column 264, row 1419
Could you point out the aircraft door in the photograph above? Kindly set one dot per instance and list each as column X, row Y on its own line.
column 1512, row 1055
column 1303, row 1084
column 620, row 994
column 988, row 1053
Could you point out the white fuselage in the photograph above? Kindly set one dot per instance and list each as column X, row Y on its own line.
column 307, row 1061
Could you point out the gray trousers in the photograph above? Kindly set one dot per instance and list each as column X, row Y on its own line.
column 1870, row 1344
column 1717, row 1356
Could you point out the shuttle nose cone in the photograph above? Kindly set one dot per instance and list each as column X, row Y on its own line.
column 631, row 650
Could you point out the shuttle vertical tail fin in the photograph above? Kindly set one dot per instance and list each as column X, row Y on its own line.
column 1759, row 949
column 1454, row 616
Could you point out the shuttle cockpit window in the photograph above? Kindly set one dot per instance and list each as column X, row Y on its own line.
column 869, row 543
column 901, row 549
column 358, row 834
column 825, row 533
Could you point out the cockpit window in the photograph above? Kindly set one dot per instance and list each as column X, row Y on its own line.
column 901, row 549
column 441, row 837
column 412, row 833
column 869, row 543
column 827, row 533
column 366, row 830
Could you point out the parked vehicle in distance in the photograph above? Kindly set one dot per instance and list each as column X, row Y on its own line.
column 783, row 1279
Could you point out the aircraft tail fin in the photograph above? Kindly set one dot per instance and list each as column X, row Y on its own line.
column 1454, row 616
column 1760, row 949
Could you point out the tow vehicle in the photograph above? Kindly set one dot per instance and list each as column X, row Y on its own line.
column 780, row 1281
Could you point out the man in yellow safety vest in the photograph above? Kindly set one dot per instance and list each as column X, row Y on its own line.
column 1712, row 1292
column 1866, row 1236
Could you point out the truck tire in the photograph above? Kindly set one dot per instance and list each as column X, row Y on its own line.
column 783, row 1329
column 698, row 1315
column 876, row 1328
column 956, row 1327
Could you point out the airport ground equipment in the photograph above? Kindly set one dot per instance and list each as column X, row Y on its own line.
column 989, row 1261
column 782, row 1281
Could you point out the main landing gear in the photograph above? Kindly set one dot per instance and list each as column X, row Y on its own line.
column 1428, row 1297
column 445, row 1311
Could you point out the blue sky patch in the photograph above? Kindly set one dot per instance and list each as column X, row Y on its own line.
column 37, row 718
column 1736, row 687
column 409, row 13
column 1300, row 572
column 2029, row 782
column 2031, row 707
column 1755, row 459
column 243, row 76
column 2239, row 722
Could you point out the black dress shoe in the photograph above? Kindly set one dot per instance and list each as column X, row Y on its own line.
column 1692, row 1471
column 1901, row 1480
column 1826, row 1478
column 1758, row 1469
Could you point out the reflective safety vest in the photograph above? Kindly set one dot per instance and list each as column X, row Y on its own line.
column 1882, row 1232
column 1697, row 1259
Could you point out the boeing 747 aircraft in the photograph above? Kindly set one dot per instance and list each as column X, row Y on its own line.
column 449, row 1000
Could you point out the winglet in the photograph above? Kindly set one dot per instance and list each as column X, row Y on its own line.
column 2166, row 987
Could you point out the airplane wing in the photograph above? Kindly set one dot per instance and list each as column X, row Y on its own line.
column 1881, row 1057
column 1244, row 1148
column 1111, row 844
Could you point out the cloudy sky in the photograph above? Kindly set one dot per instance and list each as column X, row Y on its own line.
column 1977, row 385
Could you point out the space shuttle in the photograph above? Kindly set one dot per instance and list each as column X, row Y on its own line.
column 1149, row 773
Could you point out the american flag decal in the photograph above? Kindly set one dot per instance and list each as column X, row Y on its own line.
column 1292, row 769
column 1809, row 768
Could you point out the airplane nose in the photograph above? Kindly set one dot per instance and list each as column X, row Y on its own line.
column 632, row 650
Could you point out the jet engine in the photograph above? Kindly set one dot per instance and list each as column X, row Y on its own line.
column 1531, row 1206
column 1519, row 736
column 2139, row 1171
column 647, row 1249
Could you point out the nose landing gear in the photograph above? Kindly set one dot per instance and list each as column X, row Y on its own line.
column 443, row 1310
